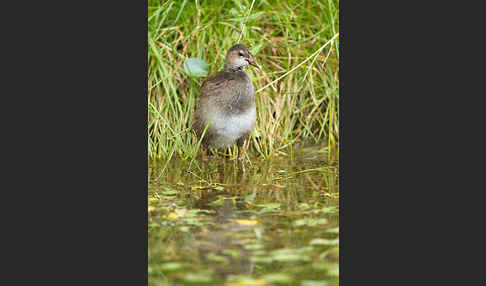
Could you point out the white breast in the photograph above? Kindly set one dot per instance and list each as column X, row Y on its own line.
column 229, row 129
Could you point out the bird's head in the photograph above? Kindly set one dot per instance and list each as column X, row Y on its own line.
column 238, row 57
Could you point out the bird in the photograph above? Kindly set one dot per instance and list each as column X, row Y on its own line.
column 225, row 111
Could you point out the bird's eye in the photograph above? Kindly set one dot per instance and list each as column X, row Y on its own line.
column 241, row 54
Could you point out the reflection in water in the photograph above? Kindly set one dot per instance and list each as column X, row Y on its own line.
column 217, row 221
column 219, row 238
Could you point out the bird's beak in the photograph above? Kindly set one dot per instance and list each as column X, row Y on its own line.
column 252, row 62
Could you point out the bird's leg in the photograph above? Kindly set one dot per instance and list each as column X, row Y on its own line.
column 241, row 153
column 240, row 142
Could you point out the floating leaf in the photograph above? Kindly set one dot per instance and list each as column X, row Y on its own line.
column 326, row 210
column 200, row 277
column 309, row 221
column 333, row 230
column 261, row 259
column 250, row 197
column 194, row 212
column 235, row 253
column 171, row 266
column 195, row 67
column 323, row 241
column 313, row 283
column 217, row 258
column 153, row 224
column 173, row 216
column 269, row 207
column 180, row 212
column 253, row 246
column 304, row 206
column 280, row 278
column 289, row 255
column 246, row 222
column 218, row 202
column 169, row 192
column 184, row 228
column 246, row 281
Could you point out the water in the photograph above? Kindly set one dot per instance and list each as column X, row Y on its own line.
column 272, row 222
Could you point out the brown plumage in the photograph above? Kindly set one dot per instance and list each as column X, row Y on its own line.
column 227, row 101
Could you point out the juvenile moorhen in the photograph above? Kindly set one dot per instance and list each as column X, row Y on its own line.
column 227, row 101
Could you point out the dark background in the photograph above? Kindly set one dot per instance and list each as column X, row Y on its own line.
column 75, row 155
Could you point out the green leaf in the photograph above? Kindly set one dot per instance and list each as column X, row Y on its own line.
column 195, row 67
column 333, row 230
column 268, row 207
column 289, row 255
column 323, row 241
column 171, row 266
column 253, row 246
column 250, row 197
column 169, row 192
column 280, row 278
column 309, row 221
column 217, row 258
column 261, row 259
column 199, row 277
column 313, row 283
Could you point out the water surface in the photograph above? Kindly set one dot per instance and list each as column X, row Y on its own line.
column 223, row 222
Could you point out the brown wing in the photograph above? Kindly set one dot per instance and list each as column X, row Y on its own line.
column 209, row 93
column 218, row 84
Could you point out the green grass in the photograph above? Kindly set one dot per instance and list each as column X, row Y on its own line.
column 302, row 106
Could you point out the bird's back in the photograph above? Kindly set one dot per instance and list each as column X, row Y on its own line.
column 224, row 84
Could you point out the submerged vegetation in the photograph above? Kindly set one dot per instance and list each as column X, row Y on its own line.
column 295, row 42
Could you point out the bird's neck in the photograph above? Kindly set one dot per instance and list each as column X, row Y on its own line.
column 234, row 69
